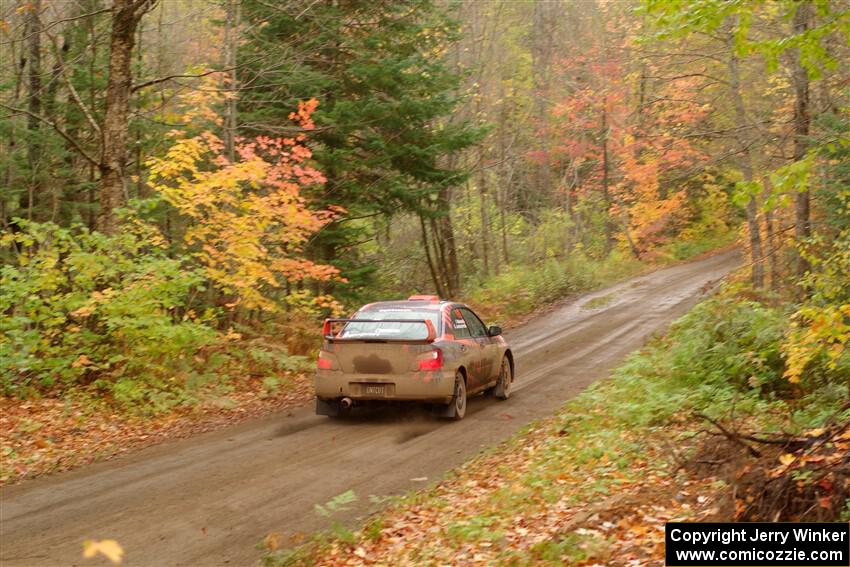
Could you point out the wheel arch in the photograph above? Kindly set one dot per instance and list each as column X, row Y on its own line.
column 510, row 356
column 462, row 370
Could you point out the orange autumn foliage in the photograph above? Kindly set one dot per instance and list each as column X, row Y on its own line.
column 607, row 139
column 249, row 222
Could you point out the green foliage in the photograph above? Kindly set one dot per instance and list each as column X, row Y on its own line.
column 818, row 345
column 680, row 18
column 290, row 557
column 475, row 528
column 711, row 222
column 683, row 249
column 732, row 342
column 382, row 125
column 519, row 289
column 726, row 355
column 338, row 503
column 77, row 303
column 834, row 152
column 569, row 549
column 845, row 514
column 114, row 314
column 374, row 527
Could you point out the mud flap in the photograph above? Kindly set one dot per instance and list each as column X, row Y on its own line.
column 445, row 410
column 331, row 409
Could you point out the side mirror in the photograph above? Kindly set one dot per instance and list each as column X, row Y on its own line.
column 494, row 331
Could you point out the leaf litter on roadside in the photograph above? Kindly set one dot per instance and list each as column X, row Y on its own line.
column 50, row 435
column 561, row 492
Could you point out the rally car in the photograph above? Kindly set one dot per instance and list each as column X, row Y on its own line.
column 419, row 350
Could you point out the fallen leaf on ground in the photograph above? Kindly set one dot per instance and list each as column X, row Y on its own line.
column 109, row 548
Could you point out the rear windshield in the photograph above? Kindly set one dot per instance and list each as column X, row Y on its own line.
column 392, row 330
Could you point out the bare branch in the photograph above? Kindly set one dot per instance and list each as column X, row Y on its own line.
column 733, row 437
column 57, row 22
column 152, row 82
column 76, row 145
column 74, row 94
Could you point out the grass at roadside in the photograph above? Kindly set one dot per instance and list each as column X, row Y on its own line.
column 595, row 483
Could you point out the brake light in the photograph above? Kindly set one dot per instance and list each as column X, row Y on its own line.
column 433, row 362
column 323, row 363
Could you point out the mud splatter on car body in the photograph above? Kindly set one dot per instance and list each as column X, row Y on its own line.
column 419, row 350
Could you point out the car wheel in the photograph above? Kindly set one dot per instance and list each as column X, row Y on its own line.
column 457, row 407
column 506, row 379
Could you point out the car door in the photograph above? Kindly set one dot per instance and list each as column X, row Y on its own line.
column 470, row 350
column 486, row 349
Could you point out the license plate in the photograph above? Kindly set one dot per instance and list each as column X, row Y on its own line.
column 375, row 390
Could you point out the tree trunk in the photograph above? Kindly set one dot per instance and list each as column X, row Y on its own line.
column 126, row 15
column 503, row 228
column 17, row 61
column 502, row 187
column 34, row 153
column 231, row 37
column 435, row 276
column 624, row 219
column 497, row 201
column 58, row 186
column 541, row 53
column 485, row 218
column 91, row 196
column 802, row 122
column 444, row 237
column 568, row 208
column 446, row 240
column 137, row 132
column 606, row 191
column 746, row 163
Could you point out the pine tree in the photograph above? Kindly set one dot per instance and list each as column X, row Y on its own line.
column 384, row 89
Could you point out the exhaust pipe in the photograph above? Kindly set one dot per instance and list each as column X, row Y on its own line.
column 346, row 403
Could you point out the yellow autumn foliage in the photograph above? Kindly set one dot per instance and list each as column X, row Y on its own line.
column 249, row 222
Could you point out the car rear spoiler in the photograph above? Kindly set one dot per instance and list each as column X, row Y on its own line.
column 329, row 335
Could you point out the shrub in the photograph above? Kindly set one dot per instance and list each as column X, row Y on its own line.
column 732, row 341
column 520, row 289
column 727, row 353
column 76, row 305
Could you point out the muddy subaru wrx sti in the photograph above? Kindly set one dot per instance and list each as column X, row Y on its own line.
column 419, row 350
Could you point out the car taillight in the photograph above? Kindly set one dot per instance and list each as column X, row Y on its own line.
column 433, row 362
column 323, row 363
column 326, row 328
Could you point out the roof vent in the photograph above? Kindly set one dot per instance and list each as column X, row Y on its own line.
column 424, row 298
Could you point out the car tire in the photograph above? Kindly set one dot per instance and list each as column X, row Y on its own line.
column 457, row 407
column 502, row 390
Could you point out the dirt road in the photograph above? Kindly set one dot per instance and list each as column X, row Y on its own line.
column 209, row 500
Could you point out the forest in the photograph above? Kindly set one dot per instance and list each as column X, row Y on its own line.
column 188, row 187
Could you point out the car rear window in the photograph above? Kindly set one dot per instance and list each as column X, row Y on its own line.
column 392, row 329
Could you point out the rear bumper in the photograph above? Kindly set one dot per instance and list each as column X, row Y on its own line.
column 411, row 386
